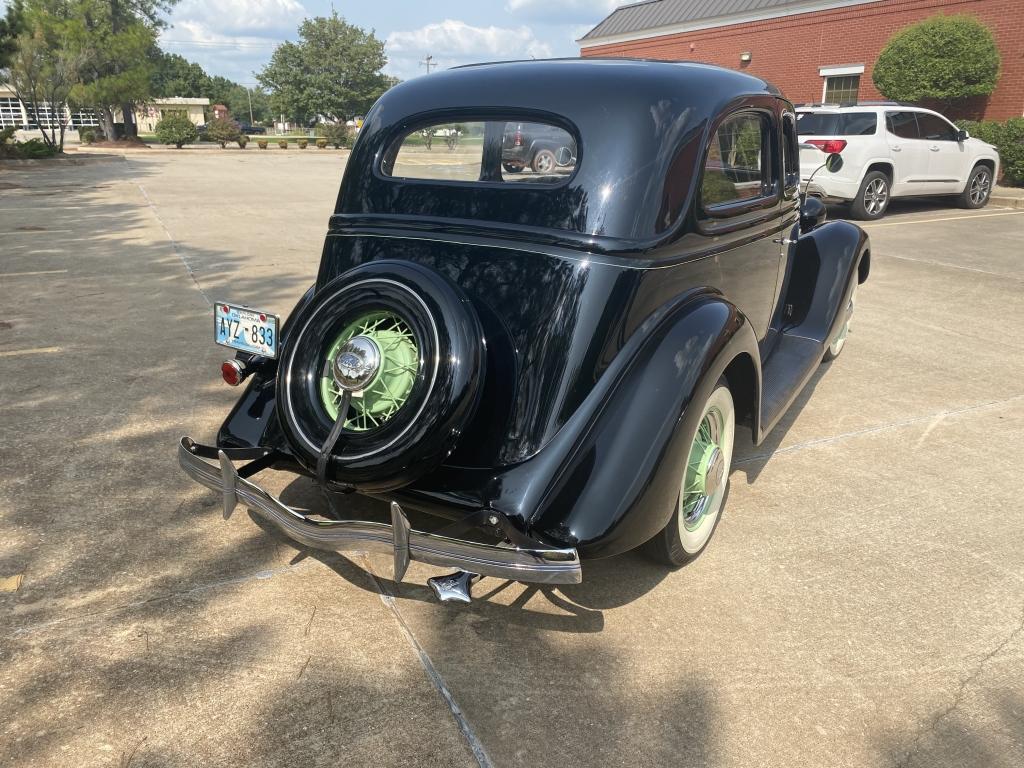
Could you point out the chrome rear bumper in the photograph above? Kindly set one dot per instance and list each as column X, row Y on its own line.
column 540, row 565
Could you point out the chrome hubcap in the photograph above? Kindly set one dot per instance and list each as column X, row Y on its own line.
column 544, row 163
column 875, row 196
column 981, row 185
column 837, row 344
column 356, row 363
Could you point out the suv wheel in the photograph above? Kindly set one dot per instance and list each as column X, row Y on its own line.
column 872, row 197
column 978, row 189
column 544, row 161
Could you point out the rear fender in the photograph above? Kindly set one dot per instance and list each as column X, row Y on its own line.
column 620, row 460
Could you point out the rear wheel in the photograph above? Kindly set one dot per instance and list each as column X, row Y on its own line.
column 512, row 168
column 872, row 198
column 704, row 488
column 839, row 342
column 978, row 189
column 544, row 161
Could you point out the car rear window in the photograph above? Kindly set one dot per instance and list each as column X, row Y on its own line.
column 513, row 151
column 836, row 123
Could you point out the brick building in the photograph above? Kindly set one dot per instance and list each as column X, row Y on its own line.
column 814, row 50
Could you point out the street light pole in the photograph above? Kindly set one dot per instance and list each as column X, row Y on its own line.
column 248, row 93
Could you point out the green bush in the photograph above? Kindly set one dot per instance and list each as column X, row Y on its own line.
column 242, row 140
column 943, row 58
column 261, row 143
column 222, row 130
column 282, row 143
column 177, row 130
column 336, row 134
column 7, row 142
column 88, row 136
column 321, row 143
column 303, row 143
column 1008, row 138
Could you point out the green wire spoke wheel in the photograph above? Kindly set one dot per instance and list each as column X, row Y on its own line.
column 390, row 389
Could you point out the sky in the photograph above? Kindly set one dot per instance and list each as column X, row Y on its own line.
column 235, row 38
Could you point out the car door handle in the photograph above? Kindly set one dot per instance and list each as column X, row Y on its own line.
column 933, row 148
column 895, row 147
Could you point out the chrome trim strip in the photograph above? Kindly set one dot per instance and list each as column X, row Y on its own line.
column 544, row 566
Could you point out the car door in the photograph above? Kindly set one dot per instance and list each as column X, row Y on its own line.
column 740, row 210
column 908, row 152
column 947, row 157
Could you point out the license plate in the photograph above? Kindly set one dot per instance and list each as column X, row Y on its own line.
column 248, row 330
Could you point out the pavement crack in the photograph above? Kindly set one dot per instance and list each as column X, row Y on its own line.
column 174, row 244
column 432, row 674
column 961, row 691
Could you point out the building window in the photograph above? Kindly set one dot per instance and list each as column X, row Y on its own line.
column 842, row 89
column 84, row 118
column 10, row 113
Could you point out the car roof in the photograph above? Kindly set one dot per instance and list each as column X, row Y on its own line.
column 632, row 117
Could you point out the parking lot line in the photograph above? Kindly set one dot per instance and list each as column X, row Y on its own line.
column 35, row 351
column 944, row 218
column 30, row 274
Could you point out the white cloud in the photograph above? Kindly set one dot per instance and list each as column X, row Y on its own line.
column 453, row 42
column 240, row 16
column 233, row 56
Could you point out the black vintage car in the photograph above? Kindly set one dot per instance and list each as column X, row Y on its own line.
column 556, row 363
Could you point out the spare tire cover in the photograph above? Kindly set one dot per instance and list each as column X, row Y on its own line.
column 407, row 421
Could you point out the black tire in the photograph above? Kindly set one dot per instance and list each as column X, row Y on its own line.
column 444, row 394
column 838, row 344
column 544, row 161
column 510, row 168
column 867, row 206
column 669, row 546
column 978, row 189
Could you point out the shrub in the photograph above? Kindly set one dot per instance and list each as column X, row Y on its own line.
column 222, row 130
column 1008, row 138
column 321, row 143
column 261, row 143
column 943, row 58
column 177, row 130
column 303, row 143
column 335, row 133
column 88, row 136
column 7, row 142
column 282, row 143
column 242, row 140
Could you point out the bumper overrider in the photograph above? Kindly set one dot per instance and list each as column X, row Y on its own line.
column 542, row 564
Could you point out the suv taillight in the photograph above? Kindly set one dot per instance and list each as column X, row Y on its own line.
column 828, row 146
column 517, row 138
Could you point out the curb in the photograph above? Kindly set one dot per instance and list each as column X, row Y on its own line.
column 1008, row 202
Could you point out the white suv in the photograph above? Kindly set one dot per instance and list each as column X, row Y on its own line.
column 891, row 150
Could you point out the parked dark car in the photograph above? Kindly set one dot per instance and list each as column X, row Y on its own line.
column 555, row 363
column 251, row 130
column 539, row 147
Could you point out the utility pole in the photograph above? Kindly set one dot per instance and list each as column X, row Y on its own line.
column 428, row 63
column 248, row 92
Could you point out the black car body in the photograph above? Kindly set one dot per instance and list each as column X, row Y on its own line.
column 570, row 334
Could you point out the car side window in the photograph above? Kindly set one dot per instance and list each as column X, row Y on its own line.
column 737, row 166
column 934, row 128
column 790, row 152
column 902, row 124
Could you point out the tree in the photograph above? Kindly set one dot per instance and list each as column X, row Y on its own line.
column 943, row 59
column 177, row 130
column 10, row 26
column 174, row 75
column 44, row 67
column 334, row 71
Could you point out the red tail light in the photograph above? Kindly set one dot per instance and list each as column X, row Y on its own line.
column 517, row 139
column 828, row 146
column 233, row 372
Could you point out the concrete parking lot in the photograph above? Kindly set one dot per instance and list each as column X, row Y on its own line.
column 862, row 603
